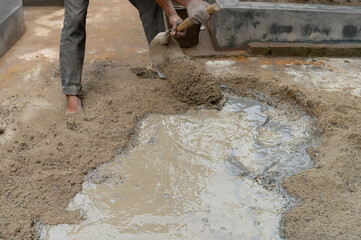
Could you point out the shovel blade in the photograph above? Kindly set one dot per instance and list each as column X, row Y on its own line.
column 164, row 48
column 160, row 74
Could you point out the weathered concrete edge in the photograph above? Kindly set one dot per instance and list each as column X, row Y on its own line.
column 305, row 49
column 11, row 29
column 226, row 4
column 217, row 28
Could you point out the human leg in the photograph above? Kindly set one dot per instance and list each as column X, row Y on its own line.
column 72, row 50
column 72, row 45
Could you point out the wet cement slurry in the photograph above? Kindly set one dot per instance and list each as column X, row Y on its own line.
column 199, row 175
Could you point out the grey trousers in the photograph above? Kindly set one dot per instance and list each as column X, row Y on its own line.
column 73, row 36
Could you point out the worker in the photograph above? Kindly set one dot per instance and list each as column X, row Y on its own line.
column 72, row 46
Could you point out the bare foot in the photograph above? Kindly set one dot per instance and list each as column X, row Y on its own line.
column 73, row 104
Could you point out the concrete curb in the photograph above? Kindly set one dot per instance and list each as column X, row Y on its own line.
column 12, row 24
column 238, row 23
column 305, row 49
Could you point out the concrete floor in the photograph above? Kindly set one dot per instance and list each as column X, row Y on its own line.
column 108, row 38
column 39, row 47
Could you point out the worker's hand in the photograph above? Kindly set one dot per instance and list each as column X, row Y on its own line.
column 174, row 20
column 197, row 11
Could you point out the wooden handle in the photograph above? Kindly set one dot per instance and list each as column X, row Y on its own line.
column 211, row 10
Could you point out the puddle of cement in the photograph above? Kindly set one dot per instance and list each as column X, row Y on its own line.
column 196, row 176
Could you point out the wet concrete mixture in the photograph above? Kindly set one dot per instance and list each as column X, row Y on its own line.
column 326, row 2
column 45, row 157
column 205, row 174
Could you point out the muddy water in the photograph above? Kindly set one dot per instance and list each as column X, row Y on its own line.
column 203, row 175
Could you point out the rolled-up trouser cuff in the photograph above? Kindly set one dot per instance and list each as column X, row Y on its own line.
column 71, row 90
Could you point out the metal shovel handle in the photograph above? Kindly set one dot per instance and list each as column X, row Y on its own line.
column 211, row 10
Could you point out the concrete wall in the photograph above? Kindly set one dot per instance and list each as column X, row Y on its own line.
column 241, row 22
column 12, row 25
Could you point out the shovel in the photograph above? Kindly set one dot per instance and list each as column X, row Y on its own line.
column 164, row 47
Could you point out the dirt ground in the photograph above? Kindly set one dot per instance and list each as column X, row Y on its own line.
column 46, row 154
column 327, row 2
